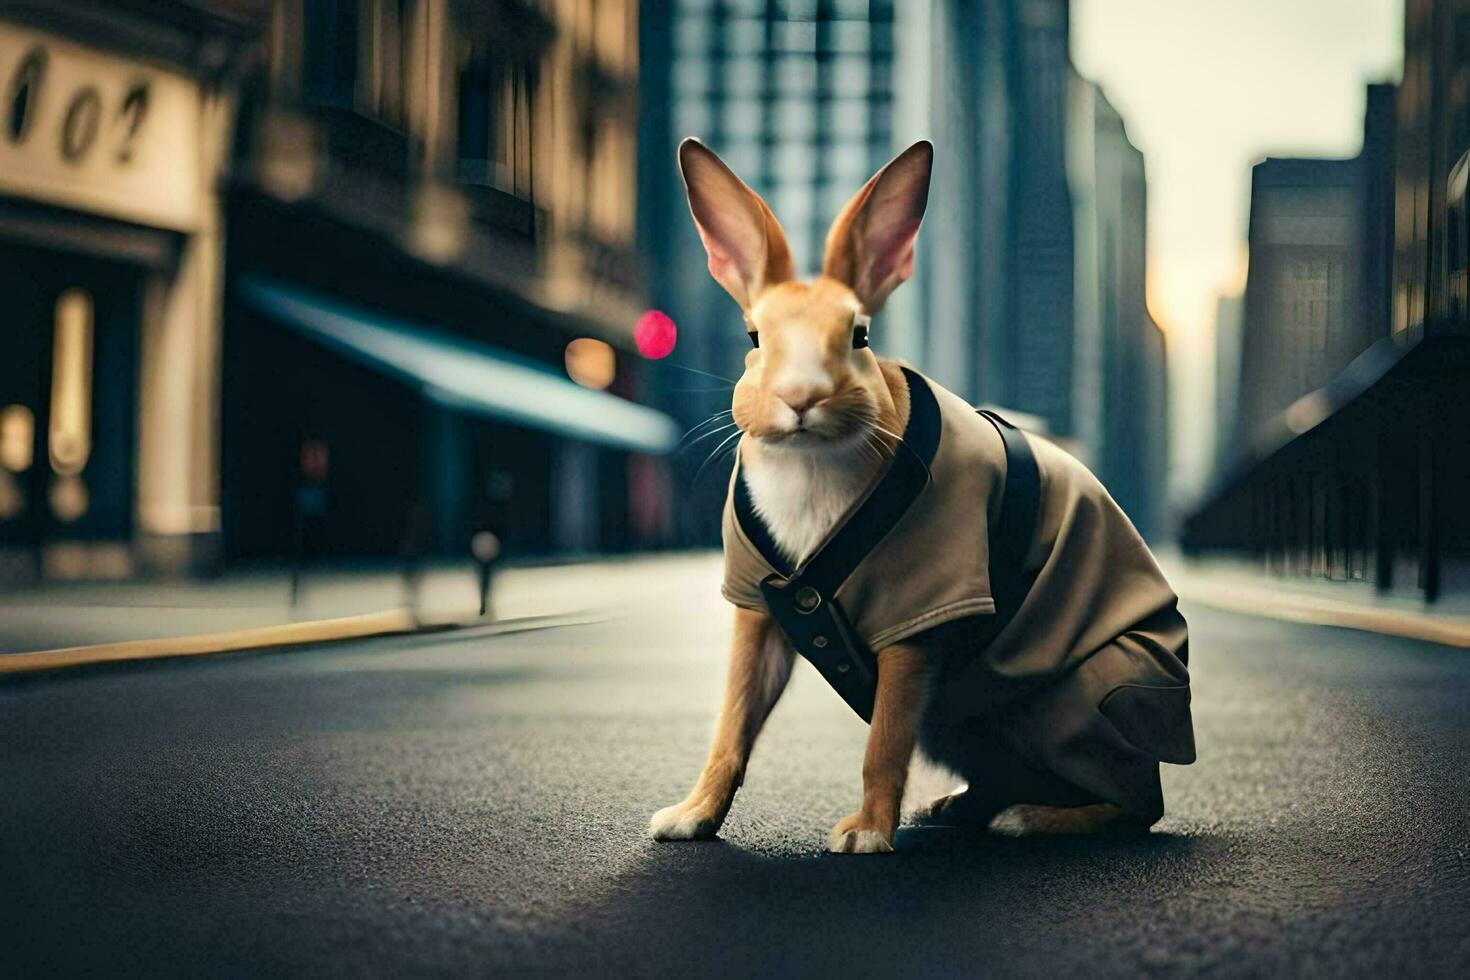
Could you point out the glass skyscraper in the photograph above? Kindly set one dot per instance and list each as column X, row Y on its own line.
column 796, row 95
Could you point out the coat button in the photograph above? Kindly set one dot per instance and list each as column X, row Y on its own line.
column 819, row 641
column 842, row 668
column 808, row 598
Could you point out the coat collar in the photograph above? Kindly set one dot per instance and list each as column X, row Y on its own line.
column 886, row 500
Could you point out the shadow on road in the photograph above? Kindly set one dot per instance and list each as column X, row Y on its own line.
column 953, row 900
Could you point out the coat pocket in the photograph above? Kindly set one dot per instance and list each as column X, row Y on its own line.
column 1154, row 719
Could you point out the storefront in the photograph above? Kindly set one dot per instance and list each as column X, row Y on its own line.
column 158, row 415
column 431, row 288
column 108, row 266
column 376, row 406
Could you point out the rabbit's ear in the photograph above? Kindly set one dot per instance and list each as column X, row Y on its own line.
column 747, row 248
column 871, row 244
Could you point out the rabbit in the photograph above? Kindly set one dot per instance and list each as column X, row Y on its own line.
column 821, row 416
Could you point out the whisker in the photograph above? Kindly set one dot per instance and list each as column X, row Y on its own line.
column 701, row 424
column 880, row 449
column 706, row 374
column 864, row 422
column 701, row 430
column 901, row 441
column 729, row 453
column 871, row 444
column 712, row 432
column 708, row 459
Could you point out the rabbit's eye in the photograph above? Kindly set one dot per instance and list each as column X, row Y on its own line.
column 860, row 325
column 755, row 337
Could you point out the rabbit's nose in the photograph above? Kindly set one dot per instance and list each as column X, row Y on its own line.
column 803, row 399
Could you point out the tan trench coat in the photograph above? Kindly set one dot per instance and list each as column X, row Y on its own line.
column 1087, row 683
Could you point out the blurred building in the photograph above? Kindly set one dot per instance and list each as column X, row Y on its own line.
column 1035, row 362
column 1376, row 162
column 1229, row 314
column 1433, row 134
column 1320, row 247
column 1119, row 372
column 1031, row 275
column 1317, row 294
column 1032, row 267
column 797, row 97
column 996, row 263
column 805, row 100
column 116, row 128
column 431, row 220
column 1156, row 519
column 353, row 276
column 1350, row 459
column 1303, row 318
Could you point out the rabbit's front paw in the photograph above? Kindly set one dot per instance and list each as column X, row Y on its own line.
column 860, row 834
column 684, row 821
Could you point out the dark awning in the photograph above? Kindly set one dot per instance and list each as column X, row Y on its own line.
column 461, row 374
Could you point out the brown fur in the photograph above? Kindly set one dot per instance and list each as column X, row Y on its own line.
column 806, row 316
column 902, row 682
column 760, row 662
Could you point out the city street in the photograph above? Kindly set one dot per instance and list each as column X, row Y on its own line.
column 465, row 803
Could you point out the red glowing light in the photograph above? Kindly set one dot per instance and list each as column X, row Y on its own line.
column 655, row 334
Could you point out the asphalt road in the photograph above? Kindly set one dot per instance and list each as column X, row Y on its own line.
column 477, row 805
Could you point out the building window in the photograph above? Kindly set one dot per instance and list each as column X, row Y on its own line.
column 742, row 119
column 329, row 72
column 1308, row 300
column 71, row 383
column 497, row 96
column 356, row 56
column 70, row 435
column 478, row 116
column 17, row 438
column 850, row 119
column 795, row 95
column 383, row 50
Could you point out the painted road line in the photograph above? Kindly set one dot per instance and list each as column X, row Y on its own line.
column 1321, row 611
column 390, row 623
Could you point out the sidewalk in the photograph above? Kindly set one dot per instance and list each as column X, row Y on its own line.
column 1245, row 588
column 232, row 612
column 138, row 620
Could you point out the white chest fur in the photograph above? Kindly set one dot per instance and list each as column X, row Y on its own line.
column 801, row 496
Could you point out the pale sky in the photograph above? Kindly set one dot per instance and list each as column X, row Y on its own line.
column 1207, row 88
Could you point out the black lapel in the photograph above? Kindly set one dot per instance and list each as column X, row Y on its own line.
column 890, row 497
